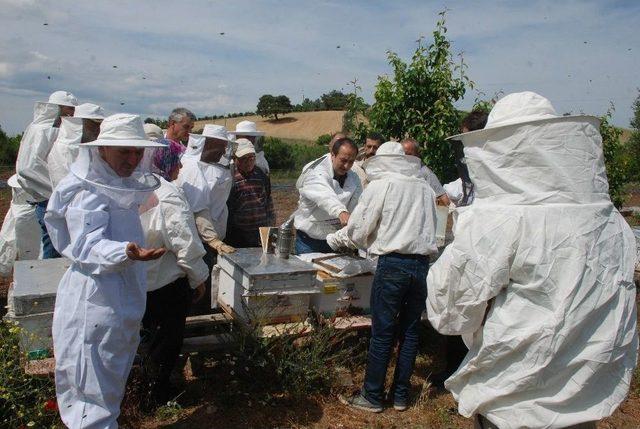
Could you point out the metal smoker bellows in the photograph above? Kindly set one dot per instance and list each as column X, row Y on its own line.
column 285, row 239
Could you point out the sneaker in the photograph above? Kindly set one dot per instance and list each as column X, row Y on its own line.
column 360, row 402
column 400, row 405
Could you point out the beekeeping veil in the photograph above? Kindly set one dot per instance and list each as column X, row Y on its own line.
column 539, row 276
column 124, row 131
column 197, row 143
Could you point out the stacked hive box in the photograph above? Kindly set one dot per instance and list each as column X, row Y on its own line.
column 32, row 299
column 255, row 286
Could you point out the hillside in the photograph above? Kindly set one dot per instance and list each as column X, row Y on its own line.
column 299, row 125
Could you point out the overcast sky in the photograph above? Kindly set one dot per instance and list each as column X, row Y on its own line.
column 214, row 57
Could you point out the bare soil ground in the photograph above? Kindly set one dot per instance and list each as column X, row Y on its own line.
column 298, row 125
column 205, row 405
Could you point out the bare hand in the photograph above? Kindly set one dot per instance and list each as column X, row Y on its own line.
column 443, row 200
column 138, row 253
column 199, row 292
column 344, row 218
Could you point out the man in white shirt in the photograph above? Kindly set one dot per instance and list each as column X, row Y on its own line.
column 328, row 193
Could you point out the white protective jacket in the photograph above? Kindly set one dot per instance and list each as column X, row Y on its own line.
column 20, row 233
column 322, row 200
column 167, row 221
column 539, row 277
column 65, row 149
column 207, row 186
column 99, row 304
column 396, row 212
column 31, row 165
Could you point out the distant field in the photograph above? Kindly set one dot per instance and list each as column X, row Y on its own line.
column 299, row 126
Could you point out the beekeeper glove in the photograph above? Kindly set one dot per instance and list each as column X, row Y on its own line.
column 208, row 233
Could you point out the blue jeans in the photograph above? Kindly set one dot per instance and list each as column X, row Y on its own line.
column 306, row 244
column 48, row 251
column 398, row 298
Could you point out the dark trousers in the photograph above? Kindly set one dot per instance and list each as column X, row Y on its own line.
column 48, row 251
column 306, row 244
column 398, row 298
column 240, row 238
column 163, row 332
column 204, row 305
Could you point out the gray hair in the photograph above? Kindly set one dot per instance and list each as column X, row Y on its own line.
column 178, row 114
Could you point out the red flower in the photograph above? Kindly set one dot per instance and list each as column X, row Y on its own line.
column 51, row 405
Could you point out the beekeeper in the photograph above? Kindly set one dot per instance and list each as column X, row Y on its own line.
column 31, row 165
column 83, row 127
column 395, row 220
column 461, row 194
column 173, row 280
column 153, row 132
column 180, row 124
column 93, row 220
column 539, row 277
column 248, row 130
column 460, row 191
column 20, row 233
column 206, row 184
column 328, row 194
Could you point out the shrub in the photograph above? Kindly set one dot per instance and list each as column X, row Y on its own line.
column 323, row 140
column 278, row 154
column 25, row 400
column 9, row 147
column 290, row 156
column 614, row 159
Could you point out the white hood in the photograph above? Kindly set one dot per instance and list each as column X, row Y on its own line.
column 381, row 166
column 536, row 158
column 45, row 113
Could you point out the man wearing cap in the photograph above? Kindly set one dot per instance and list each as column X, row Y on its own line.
column 394, row 220
column 93, row 220
column 247, row 130
column 329, row 191
column 31, row 165
column 539, row 277
column 206, row 184
column 250, row 203
column 83, row 127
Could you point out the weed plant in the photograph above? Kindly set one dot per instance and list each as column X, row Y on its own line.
column 25, row 400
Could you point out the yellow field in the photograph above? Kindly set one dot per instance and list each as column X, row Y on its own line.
column 300, row 125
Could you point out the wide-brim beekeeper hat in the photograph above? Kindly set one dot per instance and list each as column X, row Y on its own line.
column 516, row 110
column 89, row 111
column 122, row 129
column 246, row 128
column 63, row 98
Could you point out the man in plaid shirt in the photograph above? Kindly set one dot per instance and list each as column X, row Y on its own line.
column 250, row 204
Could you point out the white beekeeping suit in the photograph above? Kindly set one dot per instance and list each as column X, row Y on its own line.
column 65, row 149
column 170, row 223
column 322, row 199
column 539, row 277
column 92, row 217
column 206, row 185
column 31, row 165
column 20, row 233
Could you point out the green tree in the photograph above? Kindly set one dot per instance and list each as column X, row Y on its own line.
column 614, row 158
column 9, row 148
column 356, row 110
column 270, row 106
column 417, row 100
column 633, row 152
column 335, row 100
